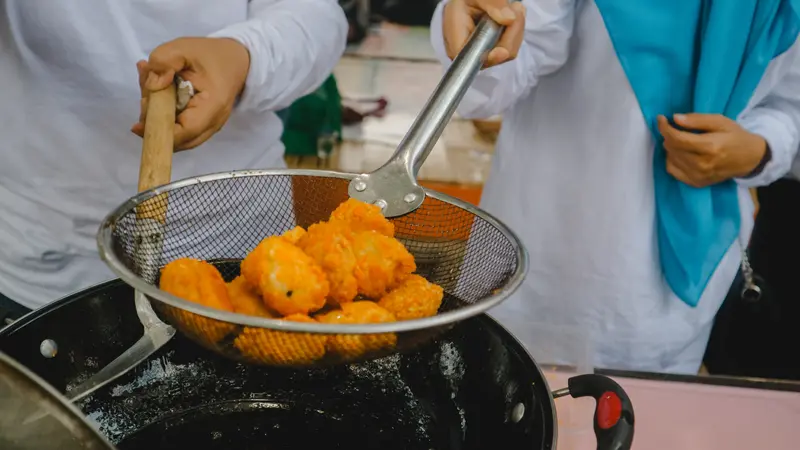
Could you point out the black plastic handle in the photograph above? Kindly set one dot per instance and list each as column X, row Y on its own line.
column 613, row 414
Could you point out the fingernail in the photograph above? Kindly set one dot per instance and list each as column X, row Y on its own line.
column 679, row 117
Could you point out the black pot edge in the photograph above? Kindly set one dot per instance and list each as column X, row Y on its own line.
column 22, row 321
column 532, row 362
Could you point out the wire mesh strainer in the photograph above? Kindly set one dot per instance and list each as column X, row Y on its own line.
column 219, row 218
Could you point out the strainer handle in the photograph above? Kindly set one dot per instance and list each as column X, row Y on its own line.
column 394, row 185
column 157, row 146
column 429, row 125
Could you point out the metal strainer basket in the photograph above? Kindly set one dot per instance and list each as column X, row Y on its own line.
column 221, row 217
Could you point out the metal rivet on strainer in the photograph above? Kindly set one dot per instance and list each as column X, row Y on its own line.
column 517, row 413
column 409, row 198
column 360, row 186
column 380, row 203
column 48, row 348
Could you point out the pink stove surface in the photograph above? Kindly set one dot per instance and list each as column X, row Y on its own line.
column 687, row 416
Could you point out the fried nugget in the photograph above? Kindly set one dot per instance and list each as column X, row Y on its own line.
column 359, row 216
column 196, row 281
column 415, row 298
column 246, row 299
column 353, row 346
column 290, row 282
column 294, row 235
column 329, row 245
column 201, row 283
column 381, row 263
column 281, row 348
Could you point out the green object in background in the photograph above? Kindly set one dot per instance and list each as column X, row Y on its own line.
column 313, row 124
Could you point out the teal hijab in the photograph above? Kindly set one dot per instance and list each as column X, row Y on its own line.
column 700, row 56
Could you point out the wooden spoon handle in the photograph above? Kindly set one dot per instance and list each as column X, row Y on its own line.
column 157, row 147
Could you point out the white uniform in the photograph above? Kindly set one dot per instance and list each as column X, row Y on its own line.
column 70, row 94
column 573, row 176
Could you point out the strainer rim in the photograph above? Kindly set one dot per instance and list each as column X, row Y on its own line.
column 152, row 292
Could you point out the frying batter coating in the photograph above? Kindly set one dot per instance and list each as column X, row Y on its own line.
column 294, row 235
column 415, row 298
column 381, row 263
column 329, row 245
column 196, row 281
column 290, row 282
column 208, row 332
column 246, row 300
column 353, row 346
column 282, row 348
column 359, row 216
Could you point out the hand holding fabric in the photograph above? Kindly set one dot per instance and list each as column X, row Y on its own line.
column 722, row 149
column 216, row 67
column 461, row 16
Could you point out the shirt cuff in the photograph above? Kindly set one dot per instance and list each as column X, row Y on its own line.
column 782, row 143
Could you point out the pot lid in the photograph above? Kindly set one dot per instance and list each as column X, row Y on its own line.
column 33, row 416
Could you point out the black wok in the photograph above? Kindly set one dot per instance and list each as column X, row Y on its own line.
column 476, row 388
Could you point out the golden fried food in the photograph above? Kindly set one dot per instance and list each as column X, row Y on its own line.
column 329, row 245
column 359, row 216
column 281, row 348
column 294, row 235
column 206, row 331
column 353, row 346
column 246, row 299
column 352, row 263
column 381, row 263
column 290, row 282
column 415, row 298
column 196, row 281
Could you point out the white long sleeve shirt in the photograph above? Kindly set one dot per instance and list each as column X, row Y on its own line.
column 70, row 94
column 573, row 176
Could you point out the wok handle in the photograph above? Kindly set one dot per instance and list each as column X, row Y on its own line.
column 429, row 125
column 613, row 414
column 158, row 143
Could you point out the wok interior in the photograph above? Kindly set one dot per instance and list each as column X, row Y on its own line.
column 455, row 393
column 221, row 220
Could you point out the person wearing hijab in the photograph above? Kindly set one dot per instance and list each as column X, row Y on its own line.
column 631, row 133
column 75, row 77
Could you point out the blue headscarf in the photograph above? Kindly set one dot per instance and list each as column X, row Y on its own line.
column 701, row 56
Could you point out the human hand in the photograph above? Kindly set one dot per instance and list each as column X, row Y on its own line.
column 461, row 16
column 217, row 69
column 723, row 150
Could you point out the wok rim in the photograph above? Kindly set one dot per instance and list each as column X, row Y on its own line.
column 105, row 249
column 64, row 411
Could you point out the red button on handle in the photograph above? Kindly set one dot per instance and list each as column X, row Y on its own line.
column 609, row 410
column 613, row 415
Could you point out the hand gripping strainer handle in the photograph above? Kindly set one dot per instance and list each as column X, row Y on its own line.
column 394, row 185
